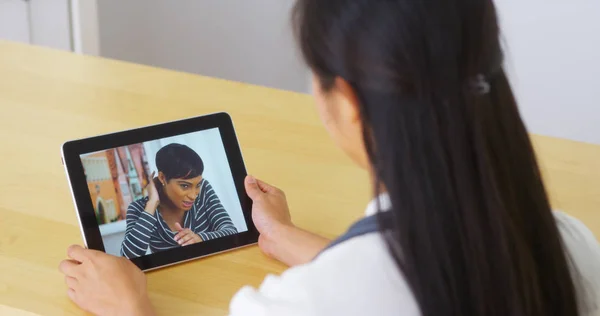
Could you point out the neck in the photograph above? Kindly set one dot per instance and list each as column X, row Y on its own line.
column 169, row 209
column 167, row 206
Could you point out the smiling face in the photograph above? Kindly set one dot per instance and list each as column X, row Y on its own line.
column 181, row 192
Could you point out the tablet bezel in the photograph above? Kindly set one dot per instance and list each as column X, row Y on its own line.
column 71, row 154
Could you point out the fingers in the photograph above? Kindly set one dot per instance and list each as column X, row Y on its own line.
column 191, row 242
column 195, row 239
column 72, row 296
column 265, row 187
column 182, row 234
column 71, row 282
column 151, row 179
column 69, row 268
column 252, row 188
column 78, row 253
column 178, row 227
column 186, row 238
column 252, row 183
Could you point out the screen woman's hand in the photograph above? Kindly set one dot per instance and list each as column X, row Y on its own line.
column 186, row 236
column 105, row 285
column 153, row 197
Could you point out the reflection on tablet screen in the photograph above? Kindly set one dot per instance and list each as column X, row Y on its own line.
column 197, row 197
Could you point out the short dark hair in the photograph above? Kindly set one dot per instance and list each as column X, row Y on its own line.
column 178, row 161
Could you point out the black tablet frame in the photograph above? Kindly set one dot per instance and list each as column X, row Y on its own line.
column 72, row 151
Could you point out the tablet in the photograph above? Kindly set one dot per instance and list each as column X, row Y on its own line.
column 195, row 205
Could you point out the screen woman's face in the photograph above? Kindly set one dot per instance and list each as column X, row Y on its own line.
column 183, row 192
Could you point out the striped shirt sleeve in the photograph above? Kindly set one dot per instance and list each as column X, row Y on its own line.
column 140, row 226
column 219, row 222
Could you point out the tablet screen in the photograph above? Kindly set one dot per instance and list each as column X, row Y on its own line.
column 194, row 185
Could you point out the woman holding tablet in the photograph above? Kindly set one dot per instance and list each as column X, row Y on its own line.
column 460, row 224
column 181, row 208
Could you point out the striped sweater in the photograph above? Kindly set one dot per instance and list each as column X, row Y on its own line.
column 207, row 218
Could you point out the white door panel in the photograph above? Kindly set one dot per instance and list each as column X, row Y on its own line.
column 49, row 22
column 14, row 21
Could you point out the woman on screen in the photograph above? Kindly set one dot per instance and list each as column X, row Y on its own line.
column 181, row 207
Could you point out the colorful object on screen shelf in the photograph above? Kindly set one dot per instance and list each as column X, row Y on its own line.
column 115, row 178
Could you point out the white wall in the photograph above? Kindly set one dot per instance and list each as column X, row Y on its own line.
column 38, row 22
column 241, row 40
column 50, row 23
column 14, row 21
column 553, row 47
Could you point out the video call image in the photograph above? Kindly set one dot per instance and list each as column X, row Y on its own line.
column 162, row 194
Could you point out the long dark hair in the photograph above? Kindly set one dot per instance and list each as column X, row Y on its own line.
column 472, row 229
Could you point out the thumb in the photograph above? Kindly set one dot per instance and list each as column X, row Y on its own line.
column 178, row 227
column 252, row 189
column 77, row 253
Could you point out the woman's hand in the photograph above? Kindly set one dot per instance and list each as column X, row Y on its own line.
column 270, row 212
column 279, row 238
column 186, row 236
column 105, row 285
column 153, row 197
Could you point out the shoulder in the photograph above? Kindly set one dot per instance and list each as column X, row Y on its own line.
column 206, row 189
column 573, row 229
column 577, row 237
column 137, row 205
column 584, row 251
column 207, row 194
column 356, row 277
column 206, row 185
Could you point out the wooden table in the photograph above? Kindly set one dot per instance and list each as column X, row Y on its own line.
column 47, row 97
